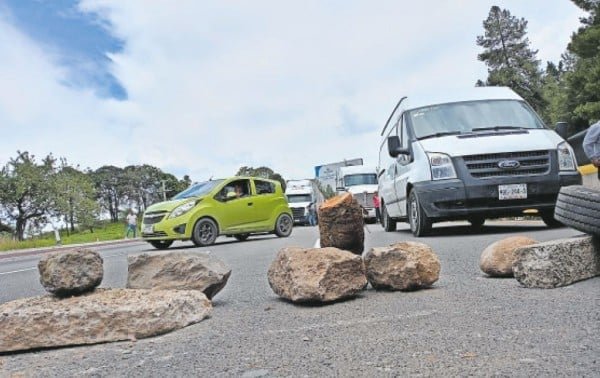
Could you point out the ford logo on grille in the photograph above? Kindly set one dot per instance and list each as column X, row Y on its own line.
column 508, row 164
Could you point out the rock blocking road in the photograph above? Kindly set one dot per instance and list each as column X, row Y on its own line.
column 466, row 324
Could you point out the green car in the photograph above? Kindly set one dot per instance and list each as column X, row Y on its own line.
column 238, row 207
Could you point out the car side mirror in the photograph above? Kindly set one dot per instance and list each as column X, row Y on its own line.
column 562, row 129
column 394, row 147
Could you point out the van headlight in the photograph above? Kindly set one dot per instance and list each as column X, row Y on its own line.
column 182, row 209
column 441, row 166
column 566, row 157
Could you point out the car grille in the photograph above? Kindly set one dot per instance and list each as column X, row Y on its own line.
column 156, row 234
column 531, row 163
column 298, row 212
column 364, row 199
column 154, row 217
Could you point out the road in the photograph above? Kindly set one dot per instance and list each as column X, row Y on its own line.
column 467, row 324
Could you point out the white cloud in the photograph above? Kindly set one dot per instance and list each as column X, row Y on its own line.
column 214, row 86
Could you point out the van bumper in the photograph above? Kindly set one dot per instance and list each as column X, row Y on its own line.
column 453, row 199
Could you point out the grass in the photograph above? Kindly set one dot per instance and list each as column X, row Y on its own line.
column 104, row 232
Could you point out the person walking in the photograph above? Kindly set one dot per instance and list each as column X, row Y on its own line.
column 591, row 145
column 312, row 216
column 376, row 205
column 131, row 221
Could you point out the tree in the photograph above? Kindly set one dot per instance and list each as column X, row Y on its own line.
column 554, row 93
column 583, row 83
column 264, row 172
column 74, row 197
column 510, row 60
column 25, row 190
column 110, row 188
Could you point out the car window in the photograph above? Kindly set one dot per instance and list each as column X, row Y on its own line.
column 264, row 187
column 241, row 188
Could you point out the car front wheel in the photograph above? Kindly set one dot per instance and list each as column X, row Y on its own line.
column 284, row 225
column 205, row 232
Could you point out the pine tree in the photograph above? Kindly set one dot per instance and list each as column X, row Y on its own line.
column 510, row 60
column 584, row 82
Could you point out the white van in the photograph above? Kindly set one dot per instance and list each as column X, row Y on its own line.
column 483, row 153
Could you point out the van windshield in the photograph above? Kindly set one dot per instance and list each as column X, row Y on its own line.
column 295, row 198
column 361, row 179
column 198, row 189
column 472, row 116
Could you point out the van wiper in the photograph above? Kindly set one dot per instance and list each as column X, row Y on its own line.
column 440, row 134
column 498, row 128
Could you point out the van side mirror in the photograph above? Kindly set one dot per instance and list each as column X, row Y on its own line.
column 394, row 148
column 562, row 129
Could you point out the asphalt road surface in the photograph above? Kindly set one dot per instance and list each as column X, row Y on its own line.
column 467, row 324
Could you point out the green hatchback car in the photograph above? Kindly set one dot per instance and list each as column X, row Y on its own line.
column 237, row 206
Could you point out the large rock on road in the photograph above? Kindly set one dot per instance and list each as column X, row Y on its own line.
column 497, row 259
column 402, row 266
column 558, row 262
column 316, row 274
column 101, row 316
column 177, row 270
column 71, row 272
column 341, row 224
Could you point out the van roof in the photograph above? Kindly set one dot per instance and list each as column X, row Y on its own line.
column 466, row 94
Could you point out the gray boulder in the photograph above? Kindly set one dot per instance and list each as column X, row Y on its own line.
column 71, row 272
column 316, row 274
column 497, row 259
column 558, row 262
column 177, row 270
column 402, row 266
column 101, row 316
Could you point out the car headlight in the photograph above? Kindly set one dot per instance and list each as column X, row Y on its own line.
column 182, row 209
column 441, row 166
column 566, row 157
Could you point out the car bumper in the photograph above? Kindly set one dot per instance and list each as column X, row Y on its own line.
column 167, row 229
column 452, row 199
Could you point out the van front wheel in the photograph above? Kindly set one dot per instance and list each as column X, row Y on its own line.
column 420, row 224
column 388, row 224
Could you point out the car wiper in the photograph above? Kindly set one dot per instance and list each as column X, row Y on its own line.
column 440, row 134
column 498, row 128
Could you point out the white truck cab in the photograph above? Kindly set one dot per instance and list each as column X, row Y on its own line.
column 300, row 194
column 361, row 182
column 482, row 153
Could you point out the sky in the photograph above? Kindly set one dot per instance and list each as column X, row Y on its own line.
column 202, row 88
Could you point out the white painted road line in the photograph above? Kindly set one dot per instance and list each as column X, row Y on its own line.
column 18, row 271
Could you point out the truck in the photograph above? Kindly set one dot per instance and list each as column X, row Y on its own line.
column 471, row 155
column 300, row 194
column 361, row 182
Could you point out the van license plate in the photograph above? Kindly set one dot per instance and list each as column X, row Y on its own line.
column 148, row 229
column 512, row 191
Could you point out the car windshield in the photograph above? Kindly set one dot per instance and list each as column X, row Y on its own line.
column 472, row 116
column 295, row 198
column 198, row 189
column 360, row 179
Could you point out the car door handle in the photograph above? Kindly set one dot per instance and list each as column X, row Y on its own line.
column 250, row 203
